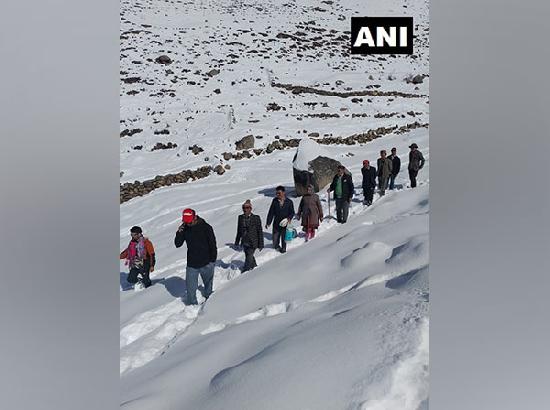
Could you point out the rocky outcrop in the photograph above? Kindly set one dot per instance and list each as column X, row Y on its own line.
column 322, row 170
column 245, row 143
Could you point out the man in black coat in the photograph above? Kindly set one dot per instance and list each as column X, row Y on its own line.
column 281, row 208
column 369, row 182
column 201, row 253
column 396, row 167
column 416, row 163
column 249, row 235
column 342, row 185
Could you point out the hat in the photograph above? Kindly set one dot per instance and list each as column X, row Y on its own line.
column 366, row 162
column 413, row 145
column 136, row 229
column 188, row 215
column 247, row 203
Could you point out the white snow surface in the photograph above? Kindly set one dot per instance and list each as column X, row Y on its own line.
column 340, row 322
column 307, row 151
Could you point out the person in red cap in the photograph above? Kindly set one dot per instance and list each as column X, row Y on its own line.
column 201, row 253
column 369, row 182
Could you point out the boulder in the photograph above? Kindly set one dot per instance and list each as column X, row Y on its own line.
column 164, row 59
column 311, row 165
column 245, row 143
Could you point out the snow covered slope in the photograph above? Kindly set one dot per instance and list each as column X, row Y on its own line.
column 340, row 322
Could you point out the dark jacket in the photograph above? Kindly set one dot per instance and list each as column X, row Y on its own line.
column 369, row 177
column 310, row 211
column 201, row 243
column 385, row 167
column 277, row 212
column 396, row 164
column 347, row 186
column 249, row 231
column 416, row 160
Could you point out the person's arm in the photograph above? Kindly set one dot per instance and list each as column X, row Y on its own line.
column 212, row 244
column 351, row 189
column 332, row 185
column 260, row 233
column 238, row 237
column 291, row 210
column 319, row 208
column 390, row 163
column 151, row 252
column 396, row 171
column 270, row 214
column 180, row 236
column 124, row 254
column 300, row 208
column 422, row 160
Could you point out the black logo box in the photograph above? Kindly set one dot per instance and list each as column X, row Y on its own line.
column 386, row 22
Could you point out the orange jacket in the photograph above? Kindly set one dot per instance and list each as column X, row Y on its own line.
column 149, row 252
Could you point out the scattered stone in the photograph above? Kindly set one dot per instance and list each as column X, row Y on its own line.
column 164, row 59
column 245, row 143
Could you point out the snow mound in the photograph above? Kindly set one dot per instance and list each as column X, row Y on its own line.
column 307, row 151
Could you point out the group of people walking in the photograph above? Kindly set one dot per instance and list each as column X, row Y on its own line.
column 202, row 250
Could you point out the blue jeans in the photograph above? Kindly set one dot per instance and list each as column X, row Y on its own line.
column 192, row 282
column 392, row 181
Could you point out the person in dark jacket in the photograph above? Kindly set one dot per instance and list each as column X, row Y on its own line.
column 310, row 212
column 369, row 182
column 384, row 165
column 396, row 167
column 249, row 235
column 342, row 185
column 201, row 253
column 416, row 163
column 281, row 209
column 140, row 257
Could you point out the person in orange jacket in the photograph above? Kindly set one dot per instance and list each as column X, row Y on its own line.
column 140, row 257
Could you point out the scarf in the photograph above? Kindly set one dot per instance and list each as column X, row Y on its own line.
column 136, row 252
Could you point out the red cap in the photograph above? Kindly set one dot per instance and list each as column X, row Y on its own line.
column 366, row 162
column 188, row 215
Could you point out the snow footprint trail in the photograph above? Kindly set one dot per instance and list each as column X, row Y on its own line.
column 152, row 333
column 133, row 355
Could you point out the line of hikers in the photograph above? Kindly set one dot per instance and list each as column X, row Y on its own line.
column 202, row 250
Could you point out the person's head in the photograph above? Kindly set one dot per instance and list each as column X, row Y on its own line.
column 310, row 189
column 188, row 216
column 383, row 153
column 341, row 170
column 280, row 192
column 413, row 146
column 247, row 207
column 394, row 151
column 135, row 232
column 366, row 163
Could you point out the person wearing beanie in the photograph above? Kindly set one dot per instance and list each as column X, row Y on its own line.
column 369, row 182
column 202, row 253
column 140, row 257
column 250, row 235
column 416, row 163
column 310, row 212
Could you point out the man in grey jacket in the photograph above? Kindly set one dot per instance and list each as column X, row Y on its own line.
column 385, row 168
column 416, row 163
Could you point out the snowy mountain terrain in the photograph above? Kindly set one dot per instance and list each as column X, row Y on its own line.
column 340, row 322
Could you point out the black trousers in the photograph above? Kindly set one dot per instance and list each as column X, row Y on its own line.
column 368, row 193
column 412, row 176
column 136, row 271
column 342, row 210
column 249, row 259
column 279, row 234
